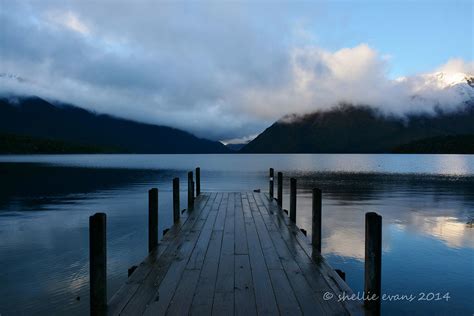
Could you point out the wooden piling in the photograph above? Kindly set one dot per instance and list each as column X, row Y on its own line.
column 190, row 191
column 316, row 221
column 175, row 200
column 373, row 262
column 198, row 181
column 98, row 264
column 152, row 219
column 271, row 180
column 293, row 199
column 280, row 189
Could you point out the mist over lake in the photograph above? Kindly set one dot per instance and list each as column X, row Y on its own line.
column 426, row 202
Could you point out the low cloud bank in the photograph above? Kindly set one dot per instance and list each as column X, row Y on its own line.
column 320, row 79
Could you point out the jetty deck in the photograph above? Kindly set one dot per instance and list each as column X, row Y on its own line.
column 233, row 253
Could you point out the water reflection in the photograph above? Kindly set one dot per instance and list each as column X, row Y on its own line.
column 44, row 209
column 355, row 163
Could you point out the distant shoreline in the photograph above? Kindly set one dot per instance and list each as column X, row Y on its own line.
column 13, row 144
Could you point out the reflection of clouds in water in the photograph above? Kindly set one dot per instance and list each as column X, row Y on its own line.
column 460, row 165
column 451, row 230
column 345, row 243
column 354, row 162
column 450, row 164
column 80, row 278
column 344, row 231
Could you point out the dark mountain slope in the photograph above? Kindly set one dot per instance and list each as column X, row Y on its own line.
column 452, row 144
column 36, row 117
column 19, row 144
column 357, row 129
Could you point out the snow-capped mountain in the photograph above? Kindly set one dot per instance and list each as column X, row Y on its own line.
column 443, row 89
column 445, row 80
column 440, row 80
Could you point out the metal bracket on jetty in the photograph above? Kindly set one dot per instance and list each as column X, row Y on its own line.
column 234, row 253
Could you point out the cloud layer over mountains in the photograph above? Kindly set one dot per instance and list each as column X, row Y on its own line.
column 218, row 70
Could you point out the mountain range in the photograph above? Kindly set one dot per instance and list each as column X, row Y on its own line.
column 35, row 125
column 65, row 128
column 349, row 128
column 358, row 129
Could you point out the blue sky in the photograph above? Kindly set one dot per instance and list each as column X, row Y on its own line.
column 229, row 69
column 418, row 35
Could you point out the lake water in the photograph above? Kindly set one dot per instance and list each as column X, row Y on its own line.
column 426, row 202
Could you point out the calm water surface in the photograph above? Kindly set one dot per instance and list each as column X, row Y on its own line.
column 426, row 202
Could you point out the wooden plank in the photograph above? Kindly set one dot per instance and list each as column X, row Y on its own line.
column 220, row 220
column 197, row 257
column 174, row 267
column 264, row 296
column 122, row 297
column 147, row 290
column 246, row 207
column 204, row 294
column 302, row 290
column 269, row 252
column 244, row 295
column 295, row 250
column 240, row 234
column 182, row 299
column 314, row 271
column 223, row 303
column 286, row 299
column 224, row 290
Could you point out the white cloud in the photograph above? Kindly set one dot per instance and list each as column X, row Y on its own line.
column 457, row 65
column 239, row 140
column 320, row 79
column 67, row 19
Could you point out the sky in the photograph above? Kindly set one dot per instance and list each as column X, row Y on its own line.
column 226, row 70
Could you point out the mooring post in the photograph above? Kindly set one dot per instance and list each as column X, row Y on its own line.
column 316, row 221
column 175, row 200
column 293, row 199
column 280, row 189
column 152, row 219
column 270, row 190
column 190, row 191
column 98, row 264
column 198, row 181
column 373, row 262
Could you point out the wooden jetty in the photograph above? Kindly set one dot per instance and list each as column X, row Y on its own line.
column 231, row 253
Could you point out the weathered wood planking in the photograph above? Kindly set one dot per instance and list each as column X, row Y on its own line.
column 233, row 254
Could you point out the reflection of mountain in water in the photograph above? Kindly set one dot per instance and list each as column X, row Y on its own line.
column 347, row 187
column 36, row 185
